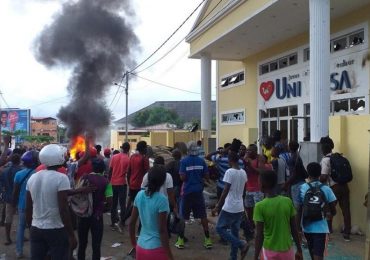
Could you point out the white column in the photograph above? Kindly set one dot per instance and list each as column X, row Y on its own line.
column 206, row 93
column 319, row 68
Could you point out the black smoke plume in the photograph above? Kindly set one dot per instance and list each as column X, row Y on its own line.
column 93, row 38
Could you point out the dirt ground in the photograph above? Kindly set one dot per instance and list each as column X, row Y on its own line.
column 194, row 250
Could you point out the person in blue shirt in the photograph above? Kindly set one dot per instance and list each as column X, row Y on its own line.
column 193, row 170
column 30, row 162
column 152, row 207
column 316, row 231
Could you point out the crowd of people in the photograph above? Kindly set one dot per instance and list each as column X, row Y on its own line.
column 272, row 197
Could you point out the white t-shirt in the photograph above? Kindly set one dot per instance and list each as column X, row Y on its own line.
column 234, row 199
column 326, row 169
column 44, row 187
column 168, row 183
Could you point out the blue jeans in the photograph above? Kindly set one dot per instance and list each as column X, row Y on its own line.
column 20, row 231
column 230, row 221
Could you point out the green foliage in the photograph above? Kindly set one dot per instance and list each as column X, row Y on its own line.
column 156, row 115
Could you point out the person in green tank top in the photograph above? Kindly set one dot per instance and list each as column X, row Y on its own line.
column 275, row 223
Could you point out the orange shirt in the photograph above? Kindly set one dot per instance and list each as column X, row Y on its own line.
column 119, row 164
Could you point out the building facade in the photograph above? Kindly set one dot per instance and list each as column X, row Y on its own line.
column 44, row 126
column 292, row 65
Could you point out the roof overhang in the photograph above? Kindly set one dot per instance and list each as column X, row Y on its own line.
column 277, row 22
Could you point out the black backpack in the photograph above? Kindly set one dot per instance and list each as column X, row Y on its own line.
column 341, row 171
column 313, row 203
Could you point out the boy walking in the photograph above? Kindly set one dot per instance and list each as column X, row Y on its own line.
column 315, row 229
column 233, row 208
column 275, row 223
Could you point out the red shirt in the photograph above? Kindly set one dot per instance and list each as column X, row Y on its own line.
column 84, row 169
column 119, row 164
column 139, row 165
column 43, row 167
column 253, row 175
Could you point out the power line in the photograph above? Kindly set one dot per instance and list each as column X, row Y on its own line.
column 2, row 97
column 164, row 85
column 119, row 86
column 177, row 44
column 178, row 28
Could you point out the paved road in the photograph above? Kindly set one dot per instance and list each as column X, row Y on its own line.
column 338, row 249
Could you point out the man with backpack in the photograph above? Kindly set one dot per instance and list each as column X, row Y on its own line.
column 314, row 197
column 336, row 172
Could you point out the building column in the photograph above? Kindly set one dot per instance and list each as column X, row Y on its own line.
column 206, row 93
column 319, row 68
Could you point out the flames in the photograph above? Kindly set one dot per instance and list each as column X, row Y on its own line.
column 78, row 145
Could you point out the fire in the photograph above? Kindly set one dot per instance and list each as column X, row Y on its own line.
column 78, row 145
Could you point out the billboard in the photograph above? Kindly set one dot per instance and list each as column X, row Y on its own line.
column 15, row 119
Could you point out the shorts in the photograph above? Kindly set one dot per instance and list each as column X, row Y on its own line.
column 193, row 202
column 155, row 254
column 316, row 243
column 295, row 192
column 251, row 198
column 132, row 193
column 275, row 255
column 9, row 213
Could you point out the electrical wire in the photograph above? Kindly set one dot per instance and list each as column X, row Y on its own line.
column 164, row 85
column 177, row 44
column 118, row 87
column 2, row 97
column 178, row 28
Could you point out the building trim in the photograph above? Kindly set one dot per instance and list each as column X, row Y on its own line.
column 225, row 10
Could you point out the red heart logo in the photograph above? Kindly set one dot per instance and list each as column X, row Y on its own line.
column 267, row 89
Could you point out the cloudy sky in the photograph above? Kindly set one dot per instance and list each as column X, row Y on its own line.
column 25, row 83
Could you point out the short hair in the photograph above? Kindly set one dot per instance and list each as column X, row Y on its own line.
column 176, row 154
column 227, row 145
column 327, row 140
column 252, row 147
column 293, row 146
column 326, row 148
column 98, row 148
column 125, row 147
column 314, row 169
column 15, row 158
column 98, row 165
column 141, row 146
column 268, row 179
column 115, row 152
column 159, row 160
column 233, row 156
column 199, row 142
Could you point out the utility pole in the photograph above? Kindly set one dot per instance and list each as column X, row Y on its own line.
column 126, row 91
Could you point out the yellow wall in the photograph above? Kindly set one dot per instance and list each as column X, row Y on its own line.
column 351, row 137
column 245, row 96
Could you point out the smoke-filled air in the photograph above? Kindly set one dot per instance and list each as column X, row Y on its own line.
column 93, row 38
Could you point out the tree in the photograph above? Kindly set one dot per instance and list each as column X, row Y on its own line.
column 156, row 115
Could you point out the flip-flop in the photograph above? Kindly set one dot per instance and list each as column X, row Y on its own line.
column 244, row 251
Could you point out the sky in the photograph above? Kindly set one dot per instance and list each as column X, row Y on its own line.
column 25, row 83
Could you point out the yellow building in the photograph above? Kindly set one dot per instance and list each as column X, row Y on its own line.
column 272, row 74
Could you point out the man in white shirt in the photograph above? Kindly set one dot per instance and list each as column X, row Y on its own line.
column 341, row 191
column 47, row 209
column 230, row 217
